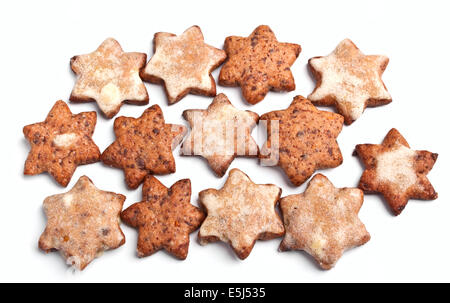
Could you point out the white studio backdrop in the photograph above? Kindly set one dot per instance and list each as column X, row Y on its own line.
column 38, row 38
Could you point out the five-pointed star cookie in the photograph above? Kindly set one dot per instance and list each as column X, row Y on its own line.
column 396, row 171
column 220, row 133
column 60, row 143
column 183, row 64
column 110, row 77
column 301, row 139
column 82, row 223
column 164, row 218
column 349, row 80
column 240, row 213
column 323, row 221
column 143, row 146
column 258, row 64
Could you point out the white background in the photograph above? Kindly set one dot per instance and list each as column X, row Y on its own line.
column 39, row 37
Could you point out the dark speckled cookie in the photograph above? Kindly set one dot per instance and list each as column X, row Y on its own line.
column 259, row 63
column 301, row 139
column 164, row 218
column 143, row 146
column 61, row 143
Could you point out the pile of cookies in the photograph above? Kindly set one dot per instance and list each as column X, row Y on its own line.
column 301, row 139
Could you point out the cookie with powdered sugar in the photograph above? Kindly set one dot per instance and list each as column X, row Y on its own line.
column 349, row 80
column 183, row 64
column 323, row 221
column 220, row 133
column 240, row 213
column 82, row 223
column 110, row 77
column 61, row 143
column 396, row 171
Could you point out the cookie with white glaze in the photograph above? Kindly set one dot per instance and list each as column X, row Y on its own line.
column 220, row 133
column 396, row 171
column 240, row 213
column 349, row 80
column 82, row 223
column 110, row 77
column 323, row 221
column 183, row 64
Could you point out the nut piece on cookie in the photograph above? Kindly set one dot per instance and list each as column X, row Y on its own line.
column 349, row 80
column 183, row 64
column 240, row 213
column 61, row 143
column 110, row 77
column 396, row 171
column 143, row 146
column 82, row 223
column 301, row 139
column 220, row 133
column 164, row 218
column 259, row 63
column 323, row 221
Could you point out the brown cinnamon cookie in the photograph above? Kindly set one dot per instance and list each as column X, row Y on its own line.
column 183, row 64
column 61, row 143
column 164, row 218
column 240, row 213
column 220, row 133
column 143, row 146
column 349, row 80
column 82, row 223
column 396, row 171
column 323, row 221
column 301, row 139
column 258, row 64
column 110, row 77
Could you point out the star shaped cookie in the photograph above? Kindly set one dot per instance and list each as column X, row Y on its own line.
column 82, row 223
column 323, row 221
column 220, row 133
column 164, row 218
column 183, row 64
column 396, row 171
column 349, row 80
column 143, row 146
column 61, row 143
column 110, row 77
column 301, row 139
column 258, row 64
column 240, row 213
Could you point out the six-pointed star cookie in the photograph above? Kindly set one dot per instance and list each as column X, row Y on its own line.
column 60, row 143
column 396, row 171
column 258, row 64
column 143, row 146
column 183, row 64
column 82, row 223
column 349, row 80
column 164, row 218
column 301, row 139
column 220, row 133
column 323, row 221
column 109, row 76
column 240, row 213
